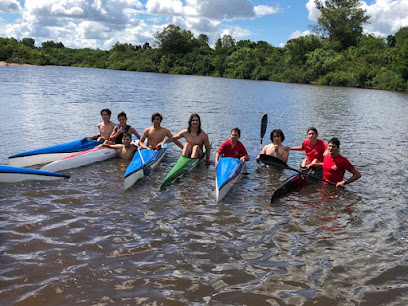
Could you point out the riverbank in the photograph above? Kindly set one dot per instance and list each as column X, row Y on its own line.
column 2, row 64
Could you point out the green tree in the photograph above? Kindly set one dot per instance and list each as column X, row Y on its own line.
column 401, row 36
column 401, row 61
column 29, row 42
column 174, row 40
column 341, row 21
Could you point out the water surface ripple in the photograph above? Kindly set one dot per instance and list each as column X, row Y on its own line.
column 88, row 242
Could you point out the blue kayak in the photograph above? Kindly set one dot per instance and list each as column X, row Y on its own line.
column 51, row 153
column 229, row 171
column 135, row 169
column 14, row 174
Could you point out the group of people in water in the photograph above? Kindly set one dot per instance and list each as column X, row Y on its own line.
column 318, row 153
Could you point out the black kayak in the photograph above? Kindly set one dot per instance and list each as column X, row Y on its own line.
column 297, row 181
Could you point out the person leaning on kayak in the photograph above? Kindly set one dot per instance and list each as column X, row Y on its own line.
column 120, row 128
column 276, row 148
column 156, row 134
column 195, row 139
column 313, row 147
column 335, row 165
column 125, row 150
column 232, row 147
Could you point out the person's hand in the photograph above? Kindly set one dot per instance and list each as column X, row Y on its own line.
column 242, row 159
column 341, row 184
column 258, row 159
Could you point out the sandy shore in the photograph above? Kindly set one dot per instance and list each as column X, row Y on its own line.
column 12, row 64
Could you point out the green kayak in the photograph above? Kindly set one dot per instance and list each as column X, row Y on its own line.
column 182, row 165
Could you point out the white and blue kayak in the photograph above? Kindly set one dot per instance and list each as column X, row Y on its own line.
column 228, row 172
column 80, row 159
column 135, row 169
column 50, row 154
column 14, row 174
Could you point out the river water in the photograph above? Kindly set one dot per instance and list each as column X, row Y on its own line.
column 86, row 241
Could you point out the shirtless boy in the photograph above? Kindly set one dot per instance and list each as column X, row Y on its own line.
column 195, row 138
column 120, row 128
column 276, row 148
column 125, row 150
column 155, row 134
column 105, row 128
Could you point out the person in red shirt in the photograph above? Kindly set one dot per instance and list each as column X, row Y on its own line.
column 232, row 147
column 313, row 147
column 335, row 165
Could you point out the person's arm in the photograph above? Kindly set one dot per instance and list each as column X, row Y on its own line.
column 115, row 133
column 143, row 138
column 258, row 158
column 176, row 141
column 207, row 148
column 356, row 175
column 216, row 158
column 297, row 148
column 173, row 138
column 133, row 131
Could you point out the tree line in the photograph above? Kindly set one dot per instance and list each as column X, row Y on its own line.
column 337, row 54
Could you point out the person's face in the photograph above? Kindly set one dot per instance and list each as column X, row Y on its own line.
column 156, row 120
column 122, row 121
column 234, row 136
column 195, row 121
column 312, row 135
column 126, row 140
column 105, row 116
column 333, row 149
column 277, row 139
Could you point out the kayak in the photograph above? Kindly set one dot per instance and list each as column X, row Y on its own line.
column 228, row 172
column 10, row 174
column 135, row 169
column 182, row 165
column 297, row 181
column 82, row 158
column 50, row 154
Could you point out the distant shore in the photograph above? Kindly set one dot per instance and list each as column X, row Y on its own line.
column 12, row 64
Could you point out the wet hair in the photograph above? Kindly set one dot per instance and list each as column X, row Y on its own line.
column 279, row 132
column 106, row 110
column 335, row 141
column 312, row 129
column 236, row 130
column 157, row 115
column 191, row 119
column 126, row 134
column 122, row 114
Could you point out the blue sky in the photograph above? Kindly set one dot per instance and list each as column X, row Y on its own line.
column 101, row 23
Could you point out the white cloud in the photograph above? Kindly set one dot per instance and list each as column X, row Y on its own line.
column 236, row 32
column 10, row 6
column 386, row 16
column 167, row 7
column 314, row 13
column 297, row 34
column 263, row 10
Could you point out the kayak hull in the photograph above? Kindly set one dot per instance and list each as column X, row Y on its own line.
column 296, row 182
column 80, row 159
column 182, row 165
column 134, row 171
column 51, row 153
column 10, row 174
column 229, row 171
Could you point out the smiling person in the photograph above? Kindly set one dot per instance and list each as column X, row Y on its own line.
column 195, row 138
column 276, row 148
column 313, row 147
column 232, row 147
column 335, row 165
column 126, row 150
column 120, row 128
column 156, row 134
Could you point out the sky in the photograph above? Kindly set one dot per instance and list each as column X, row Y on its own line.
column 99, row 24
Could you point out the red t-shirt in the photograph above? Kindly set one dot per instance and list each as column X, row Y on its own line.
column 335, row 167
column 314, row 151
column 226, row 150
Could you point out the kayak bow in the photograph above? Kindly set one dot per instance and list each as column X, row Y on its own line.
column 14, row 174
column 228, row 172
